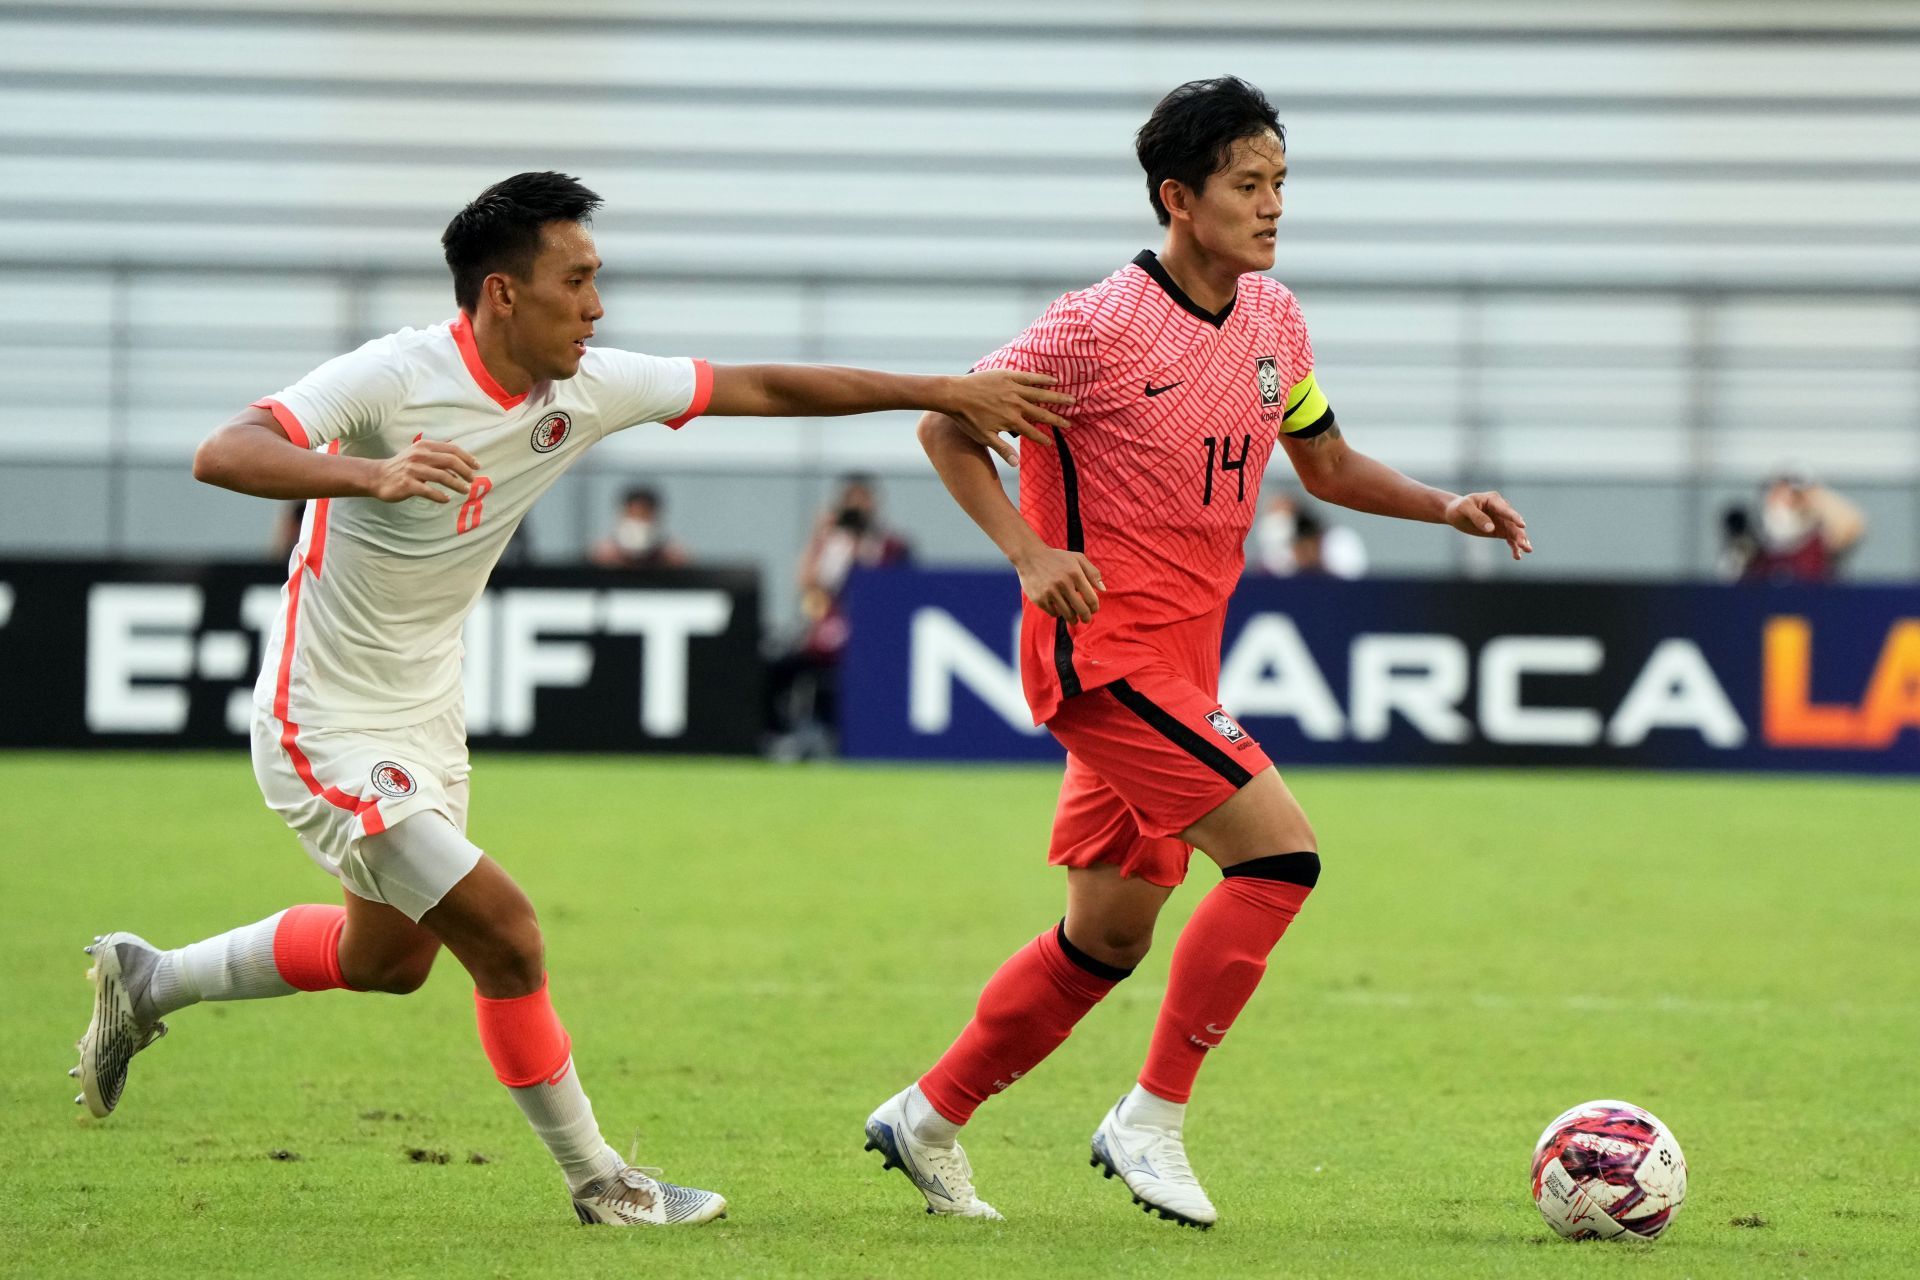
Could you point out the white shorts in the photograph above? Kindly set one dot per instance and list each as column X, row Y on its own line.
column 337, row 787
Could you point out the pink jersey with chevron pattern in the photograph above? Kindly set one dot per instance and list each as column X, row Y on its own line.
column 1158, row 479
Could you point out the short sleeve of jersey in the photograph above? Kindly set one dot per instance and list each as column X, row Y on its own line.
column 347, row 397
column 1307, row 411
column 1061, row 342
column 631, row 388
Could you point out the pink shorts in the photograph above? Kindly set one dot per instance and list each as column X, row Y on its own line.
column 1147, row 757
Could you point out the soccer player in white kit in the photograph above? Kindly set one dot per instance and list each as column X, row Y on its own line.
column 419, row 454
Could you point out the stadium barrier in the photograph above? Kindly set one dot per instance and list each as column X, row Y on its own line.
column 102, row 653
column 1420, row 672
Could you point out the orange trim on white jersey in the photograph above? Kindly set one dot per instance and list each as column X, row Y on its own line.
column 368, row 810
column 470, row 356
column 285, row 417
column 702, row 395
column 317, row 547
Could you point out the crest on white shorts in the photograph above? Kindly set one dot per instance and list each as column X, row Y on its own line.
column 1224, row 726
column 390, row 779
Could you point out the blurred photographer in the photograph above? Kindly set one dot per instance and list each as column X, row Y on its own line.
column 802, row 709
column 1804, row 532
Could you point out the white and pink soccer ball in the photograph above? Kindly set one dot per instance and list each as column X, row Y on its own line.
column 1608, row 1169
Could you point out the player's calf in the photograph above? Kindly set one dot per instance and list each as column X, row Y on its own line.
column 1219, row 961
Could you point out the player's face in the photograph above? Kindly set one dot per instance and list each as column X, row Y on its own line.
column 555, row 306
column 1236, row 215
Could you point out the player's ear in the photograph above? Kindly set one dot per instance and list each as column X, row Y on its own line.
column 1175, row 196
column 496, row 292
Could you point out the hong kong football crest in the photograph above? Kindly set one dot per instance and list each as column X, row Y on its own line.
column 551, row 432
column 1266, row 371
column 1224, row 726
column 390, row 779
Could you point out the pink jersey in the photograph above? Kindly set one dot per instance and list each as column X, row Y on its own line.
column 1158, row 479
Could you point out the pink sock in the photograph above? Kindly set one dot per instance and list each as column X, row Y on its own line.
column 306, row 947
column 1217, row 963
column 523, row 1038
column 1025, row 1012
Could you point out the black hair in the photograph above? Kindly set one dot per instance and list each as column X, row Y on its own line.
column 1190, row 135
column 500, row 230
column 643, row 493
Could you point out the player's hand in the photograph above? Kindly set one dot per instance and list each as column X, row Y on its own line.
column 430, row 469
column 1064, row 584
column 994, row 402
column 1488, row 515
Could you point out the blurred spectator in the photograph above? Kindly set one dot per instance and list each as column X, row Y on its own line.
column 286, row 529
column 1738, row 545
column 1288, row 539
column 639, row 538
column 802, row 704
column 1805, row 531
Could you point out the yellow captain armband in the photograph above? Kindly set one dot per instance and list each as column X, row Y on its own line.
column 1308, row 413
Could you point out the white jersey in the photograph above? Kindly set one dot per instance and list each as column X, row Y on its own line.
column 368, row 635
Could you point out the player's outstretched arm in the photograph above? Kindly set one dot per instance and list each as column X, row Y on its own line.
column 1064, row 584
column 982, row 405
column 1333, row 471
column 251, row 454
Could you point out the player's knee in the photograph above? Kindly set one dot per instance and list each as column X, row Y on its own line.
column 1113, row 944
column 400, row 975
column 1128, row 950
column 1302, row 868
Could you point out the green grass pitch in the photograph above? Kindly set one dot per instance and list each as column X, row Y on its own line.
column 749, row 958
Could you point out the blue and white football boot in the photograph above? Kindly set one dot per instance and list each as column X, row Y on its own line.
column 1153, row 1164
column 941, row 1174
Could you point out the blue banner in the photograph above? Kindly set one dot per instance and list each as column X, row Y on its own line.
column 1323, row 671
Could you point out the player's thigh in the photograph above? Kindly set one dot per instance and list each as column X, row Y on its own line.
column 1110, row 915
column 1259, row 820
column 1094, row 827
column 1163, row 745
column 381, row 949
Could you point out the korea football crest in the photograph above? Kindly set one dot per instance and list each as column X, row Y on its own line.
column 1266, row 372
column 1266, row 377
column 551, row 432
column 1224, row 726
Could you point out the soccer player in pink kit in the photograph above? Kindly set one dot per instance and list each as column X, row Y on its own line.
column 1185, row 368
column 419, row 453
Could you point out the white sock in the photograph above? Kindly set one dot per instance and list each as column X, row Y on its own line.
column 1152, row 1111
column 563, row 1118
column 928, row 1125
column 235, row 965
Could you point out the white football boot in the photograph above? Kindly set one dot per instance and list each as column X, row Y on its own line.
column 1153, row 1164
column 122, row 967
column 630, row 1198
column 941, row 1173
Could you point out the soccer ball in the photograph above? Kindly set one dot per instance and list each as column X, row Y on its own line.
column 1607, row 1169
